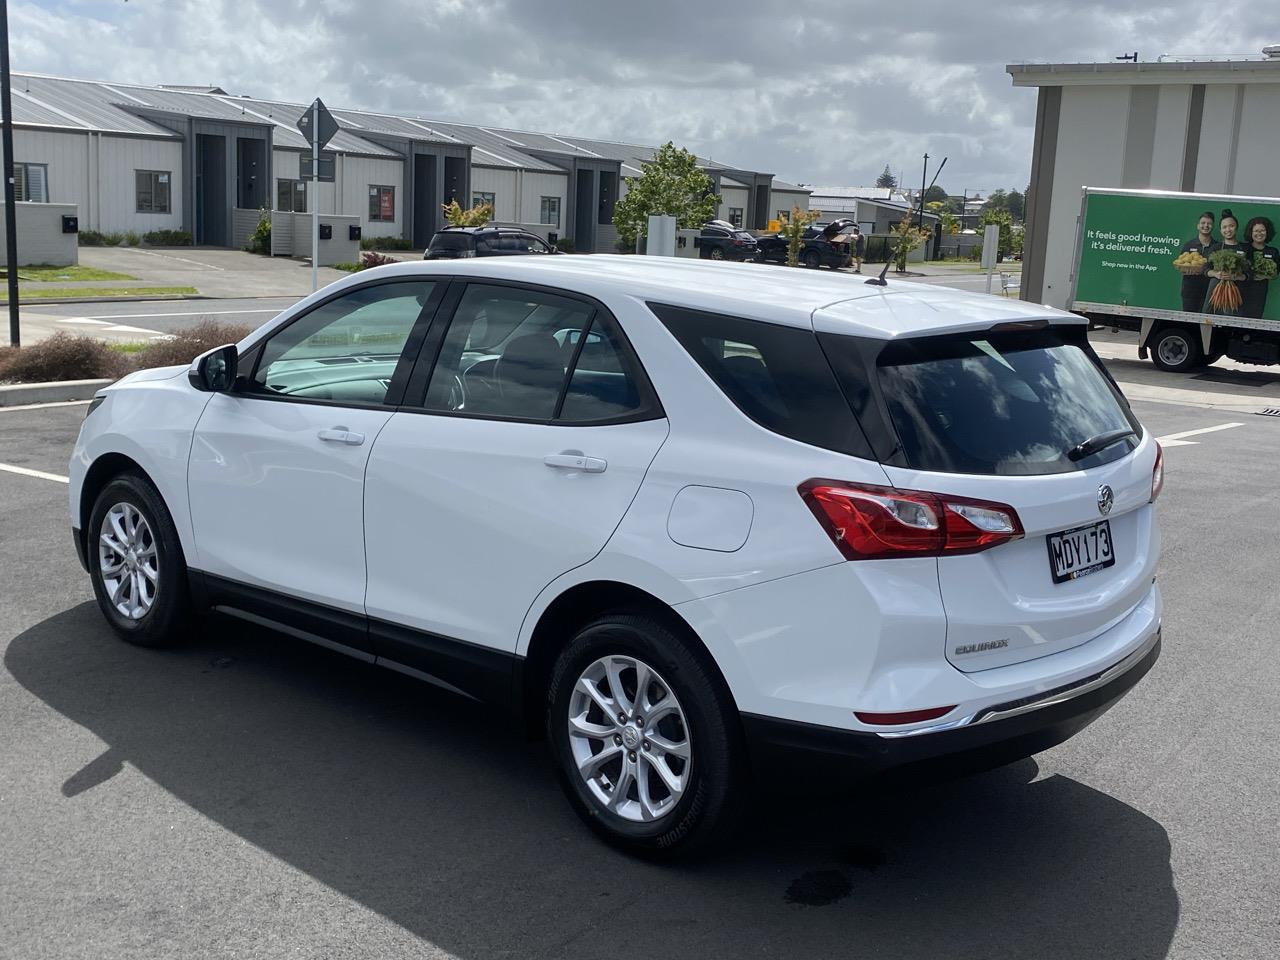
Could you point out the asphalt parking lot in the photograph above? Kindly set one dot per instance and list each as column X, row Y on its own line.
column 248, row 795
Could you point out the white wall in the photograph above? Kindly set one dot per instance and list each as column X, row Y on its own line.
column 1091, row 138
column 785, row 200
column 117, row 203
column 67, row 156
column 348, row 194
column 502, row 184
column 535, row 186
column 1170, row 137
column 40, row 236
column 734, row 197
column 1257, row 171
column 1213, row 167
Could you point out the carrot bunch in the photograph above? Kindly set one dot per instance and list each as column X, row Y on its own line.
column 1225, row 297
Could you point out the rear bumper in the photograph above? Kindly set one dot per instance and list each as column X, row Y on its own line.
column 809, row 754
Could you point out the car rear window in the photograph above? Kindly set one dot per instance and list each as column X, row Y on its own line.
column 1009, row 403
column 451, row 241
column 776, row 375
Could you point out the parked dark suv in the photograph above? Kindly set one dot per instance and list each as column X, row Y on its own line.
column 721, row 240
column 453, row 243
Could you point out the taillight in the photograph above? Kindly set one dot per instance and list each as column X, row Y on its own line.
column 869, row 522
column 908, row 716
column 1157, row 474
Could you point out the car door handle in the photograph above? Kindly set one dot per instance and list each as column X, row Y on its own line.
column 575, row 461
column 341, row 435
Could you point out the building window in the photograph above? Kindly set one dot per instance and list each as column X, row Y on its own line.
column 382, row 204
column 550, row 212
column 735, row 216
column 291, row 195
column 31, row 182
column 152, row 190
column 479, row 196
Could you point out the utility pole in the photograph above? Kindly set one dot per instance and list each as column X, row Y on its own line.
column 924, row 175
column 10, row 210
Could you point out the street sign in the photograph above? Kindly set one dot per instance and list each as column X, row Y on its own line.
column 325, row 125
column 327, row 162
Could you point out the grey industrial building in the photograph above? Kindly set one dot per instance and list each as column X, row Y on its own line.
column 139, row 158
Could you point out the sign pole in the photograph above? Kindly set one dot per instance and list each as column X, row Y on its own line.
column 315, row 198
column 10, row 212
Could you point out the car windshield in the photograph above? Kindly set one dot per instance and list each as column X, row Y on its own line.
column 1013, row 403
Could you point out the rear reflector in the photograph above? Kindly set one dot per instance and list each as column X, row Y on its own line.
column 897, row 719
column 869, row 522
column 1157, row 473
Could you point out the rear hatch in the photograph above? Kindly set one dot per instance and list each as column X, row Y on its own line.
column 999, row 416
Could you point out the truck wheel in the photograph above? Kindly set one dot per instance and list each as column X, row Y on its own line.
column 1176, row 349
column 812, row 260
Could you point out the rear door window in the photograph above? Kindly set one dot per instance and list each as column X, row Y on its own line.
column 776, row 375
column 1002, row 403
column 450, row 243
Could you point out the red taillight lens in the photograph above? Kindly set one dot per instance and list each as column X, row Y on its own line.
column 869, row 522
column 909, row 716
column 1157, row 474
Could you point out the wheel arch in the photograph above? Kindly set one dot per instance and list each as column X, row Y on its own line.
column 577, row 606
column 102, row 471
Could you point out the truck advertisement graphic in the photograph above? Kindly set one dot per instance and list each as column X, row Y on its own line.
column 1202, row 264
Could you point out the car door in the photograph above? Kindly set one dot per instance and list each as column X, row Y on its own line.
column 276, row 473
column 491, row 483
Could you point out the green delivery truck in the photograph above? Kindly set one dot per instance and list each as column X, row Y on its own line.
column 1195, row 274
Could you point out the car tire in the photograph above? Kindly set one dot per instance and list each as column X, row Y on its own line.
column 693, row 734
column 1176, row 349
column 812, row 260
column 131, row 533
column 717, row 253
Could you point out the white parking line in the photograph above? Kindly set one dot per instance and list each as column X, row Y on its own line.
column 42, row 406
column 38, row 474
column 189, row 313
column 1178, row 439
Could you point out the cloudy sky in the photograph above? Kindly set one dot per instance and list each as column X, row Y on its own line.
column 820, row 91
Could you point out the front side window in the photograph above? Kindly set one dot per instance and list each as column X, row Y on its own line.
column 776, row 375
column 291, row 195
column 31, row 182
column 521, row 354
column 1004, row 403
column 152, row 191
column 346, row 350
column 382, row 204
column 549, row 211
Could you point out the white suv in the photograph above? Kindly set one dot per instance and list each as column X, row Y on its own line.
column 693, row 521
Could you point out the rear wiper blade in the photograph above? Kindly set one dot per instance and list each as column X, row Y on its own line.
column 1087, row 448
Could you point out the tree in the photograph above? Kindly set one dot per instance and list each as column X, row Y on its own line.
column 793, row 229
column 477, row 216
column 886, row 179
column 997, row 200
column 672, row 185
column 935, row 194
column 1001, row 217
column 950, row 222
column 1017, row 205
column 906, row 238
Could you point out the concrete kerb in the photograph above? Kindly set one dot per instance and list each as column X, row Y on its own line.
column 139, row 299
column 58, row 391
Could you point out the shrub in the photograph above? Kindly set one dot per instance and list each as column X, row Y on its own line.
column 564, row 245
column 371, row 258
column 476, row 216
column 90, row 238
column 112, row 239
column 132, row 239
column 260, row 240
column 63, row 357
column 385, row 243
column 346, row 267
column 185, row 345
column 167, row 238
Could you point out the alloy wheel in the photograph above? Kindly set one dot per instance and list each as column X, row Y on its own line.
column 127, row 561
column 629, row 738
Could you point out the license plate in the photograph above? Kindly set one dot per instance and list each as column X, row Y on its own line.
column 1081, row 551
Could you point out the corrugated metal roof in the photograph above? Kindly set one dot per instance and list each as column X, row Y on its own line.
column 81, row 104
column 789, row 187
column 730, row 182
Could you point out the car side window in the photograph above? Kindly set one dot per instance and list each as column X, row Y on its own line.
column 346, row 350
column 604, row 383
column 505, row 353
column 535, row 245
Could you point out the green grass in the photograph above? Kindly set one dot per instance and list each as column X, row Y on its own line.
column 60, row 293
column 44, row 273
column 128, row 348
column 346, row 267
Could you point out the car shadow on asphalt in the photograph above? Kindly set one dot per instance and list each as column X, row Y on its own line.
column 428, row 809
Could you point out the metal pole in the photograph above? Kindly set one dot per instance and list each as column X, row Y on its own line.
column 10, row 211
column 924, row 175
column 315, row 196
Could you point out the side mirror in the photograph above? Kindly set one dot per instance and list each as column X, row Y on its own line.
column 215, row 371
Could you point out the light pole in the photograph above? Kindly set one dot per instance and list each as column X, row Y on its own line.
column 6, row 134
column 924, row 175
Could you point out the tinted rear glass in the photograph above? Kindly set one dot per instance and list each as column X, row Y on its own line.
column 1009, row 403
column 451, row 241
column 776, row 375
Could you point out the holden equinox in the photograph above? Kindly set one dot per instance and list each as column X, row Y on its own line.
column 695, row 523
